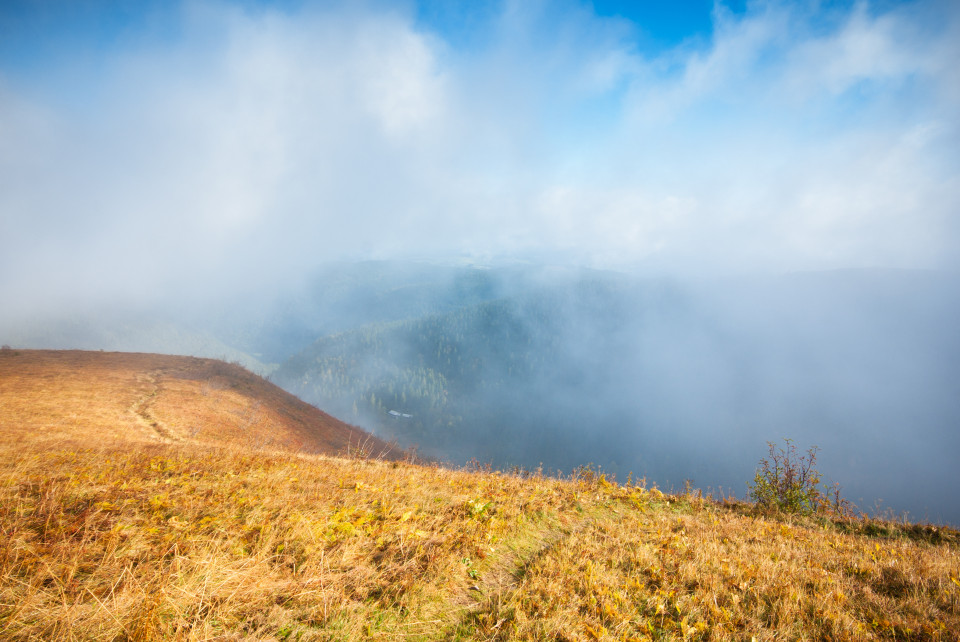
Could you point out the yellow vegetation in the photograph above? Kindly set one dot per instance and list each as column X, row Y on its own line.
column 57, row 395
column 109, row 533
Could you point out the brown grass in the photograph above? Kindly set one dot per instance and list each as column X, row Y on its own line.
column 61, row 395
column 678, row 568
column 110, row 533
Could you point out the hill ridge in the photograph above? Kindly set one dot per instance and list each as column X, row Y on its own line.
column 170, row 399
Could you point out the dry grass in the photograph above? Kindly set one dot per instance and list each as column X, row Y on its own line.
column 110, row 533
column 59, row 395
column 653, row 567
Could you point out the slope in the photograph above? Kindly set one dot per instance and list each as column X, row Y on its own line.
column 73, row 395
column 500, row 381
column 188, row 542
column 109, row 531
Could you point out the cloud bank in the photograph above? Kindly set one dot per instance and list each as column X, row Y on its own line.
column 250, row 144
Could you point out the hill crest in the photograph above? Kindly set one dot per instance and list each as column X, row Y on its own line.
column 69, row 394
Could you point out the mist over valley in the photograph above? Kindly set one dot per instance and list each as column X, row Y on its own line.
column 532, row 366
column 666, row 379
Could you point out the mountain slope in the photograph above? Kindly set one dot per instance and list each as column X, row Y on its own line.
column 188, row 542
column 115, row 528
column 71, row 395
column 499, row 381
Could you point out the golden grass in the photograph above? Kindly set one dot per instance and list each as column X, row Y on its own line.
column 140, row 538
column 678, row 568
column 61, row 395
column 187, row 542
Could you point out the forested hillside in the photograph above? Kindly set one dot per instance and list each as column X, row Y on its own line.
column 344, row 297
column 476, row 382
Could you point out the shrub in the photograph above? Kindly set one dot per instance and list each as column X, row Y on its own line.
column 789, row 481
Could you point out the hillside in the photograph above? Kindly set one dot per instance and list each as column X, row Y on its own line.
column 497, row 381
column 113, row 529
column 128, row 397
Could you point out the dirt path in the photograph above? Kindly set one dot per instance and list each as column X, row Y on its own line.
column 506, row 575
column 151, row 386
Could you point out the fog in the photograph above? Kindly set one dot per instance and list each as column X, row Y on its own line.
column 205, row 145
column 713, row 232
column 663, row 378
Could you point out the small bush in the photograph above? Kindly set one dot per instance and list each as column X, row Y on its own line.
column 789, row 481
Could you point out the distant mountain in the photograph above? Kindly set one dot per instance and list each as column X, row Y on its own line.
column 346, row 296
column 475, row 382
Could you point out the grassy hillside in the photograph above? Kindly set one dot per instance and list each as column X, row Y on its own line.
column 113, row 530
column 72, row 395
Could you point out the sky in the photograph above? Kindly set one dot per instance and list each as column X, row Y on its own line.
column 170, row 149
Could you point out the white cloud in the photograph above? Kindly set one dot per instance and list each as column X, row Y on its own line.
column 798, row 129
column 261, row 144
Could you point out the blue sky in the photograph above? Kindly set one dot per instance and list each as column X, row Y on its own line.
column 32, row 27
column 173, row 144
